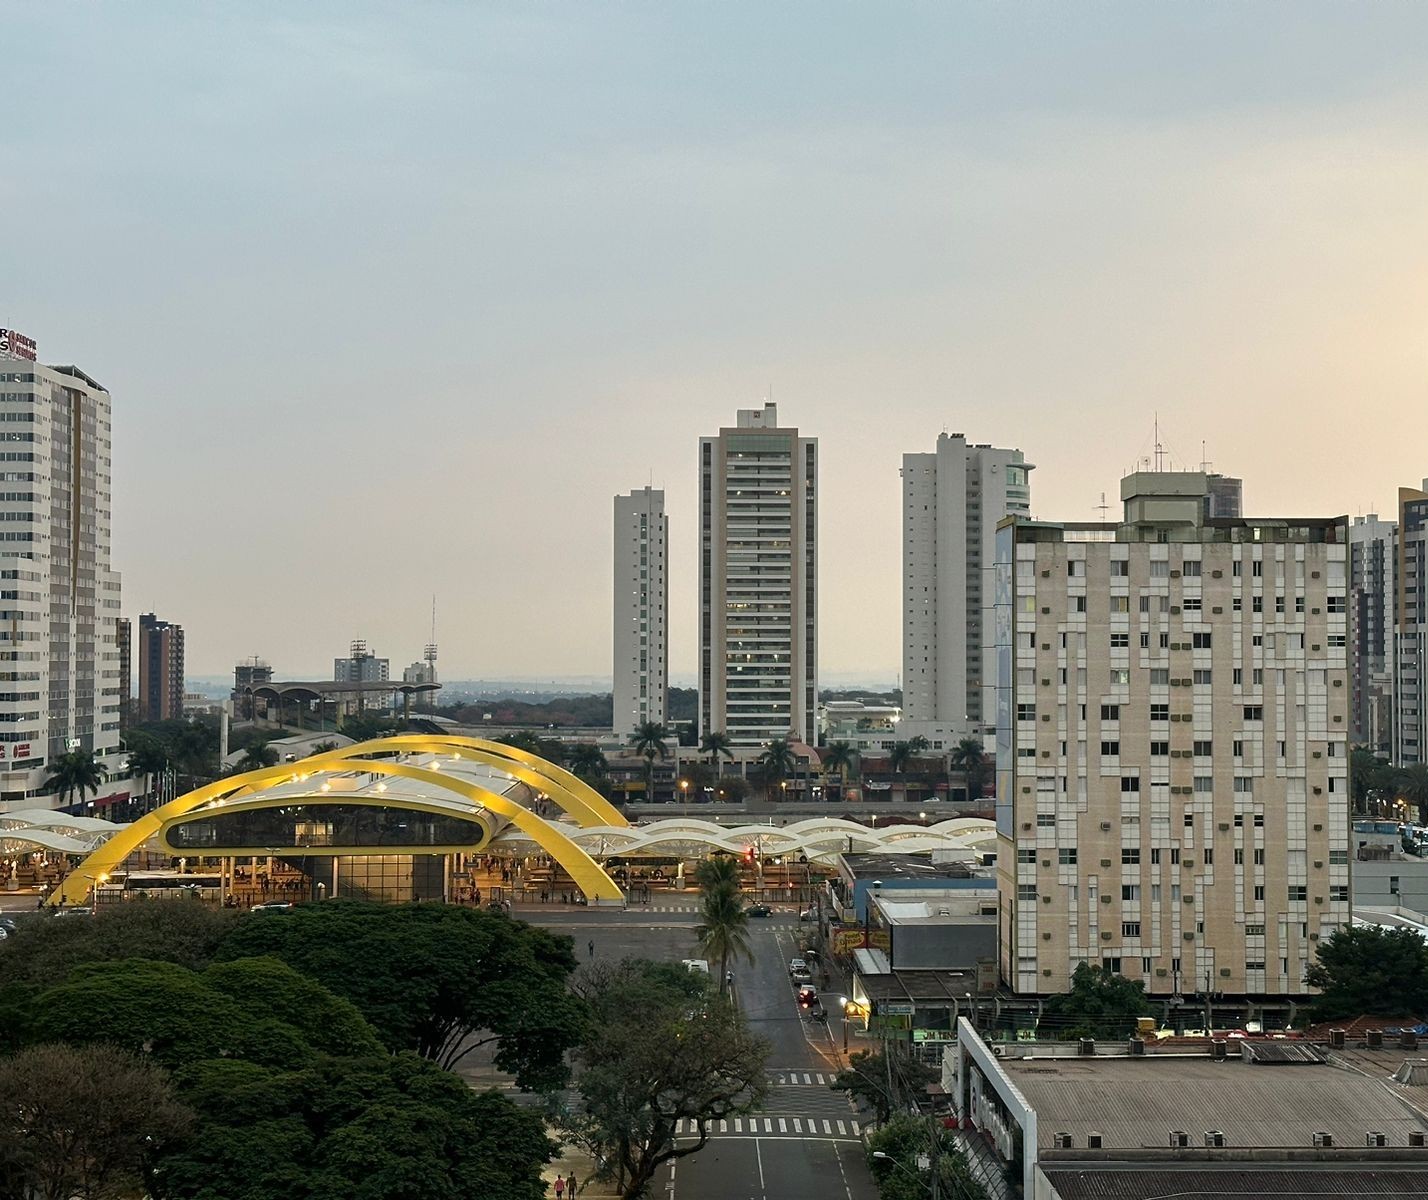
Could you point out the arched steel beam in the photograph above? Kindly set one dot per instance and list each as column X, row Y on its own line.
column 569, row 791
column 588, row 875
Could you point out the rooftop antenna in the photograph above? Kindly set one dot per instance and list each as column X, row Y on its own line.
column 429, row 652
column 1205, row 463
column 1103, row 508
column 1159, row 449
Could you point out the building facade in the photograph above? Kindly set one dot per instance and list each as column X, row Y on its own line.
column 952, row 500
column 641, row 629
column 161, row 691
column 1373, row 601
column 758, row 581
column 1172, row 745
column 124, row 647
column 361, row 666
column 59, row 652
column 1410, row 733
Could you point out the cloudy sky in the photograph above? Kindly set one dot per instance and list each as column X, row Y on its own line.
column 392, row 298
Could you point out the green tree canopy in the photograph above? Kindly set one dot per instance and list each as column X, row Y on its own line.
column 1364, row 970
column 1100, row 1004
column 660, row 1047
column 83, row 1122
column 75, row 774
column 904, row 1138
column 883, row 1084
column 434, row 979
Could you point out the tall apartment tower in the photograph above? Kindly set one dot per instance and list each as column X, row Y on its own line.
column 952, row 501
column 1373, row 601
column 758, row 581
column 1410, row 732
column 641, row 632
column 59, row 654
column 361, row 665
column 1172, row 745
column 160, row 669
column 124, row 646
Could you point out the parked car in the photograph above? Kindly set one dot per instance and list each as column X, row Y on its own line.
column 272, row 906
column 795, row 965
column 758, row 910
column 808, row 996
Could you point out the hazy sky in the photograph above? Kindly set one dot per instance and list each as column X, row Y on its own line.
column 393, row 298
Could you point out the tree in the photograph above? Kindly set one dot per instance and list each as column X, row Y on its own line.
column 968, row 757
column 1413, row 789
column 74, row 772
column 649, row 741
column 551, row 749
column 438, row 980
column 718, row 872
column 257, row 756
column 716, row 745
column 1100, row 1004
column 776, row 763
column 884, row 1079
column 322, row 748
column 44, row 951
column 148, row 758
column 840, row 757
column 1365, row 970
column 588, row 762
column 906, row 1138
column 723, row 931
column 83, row 1123
column 660, row 1047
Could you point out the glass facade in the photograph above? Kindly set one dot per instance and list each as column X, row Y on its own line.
column 312, row 825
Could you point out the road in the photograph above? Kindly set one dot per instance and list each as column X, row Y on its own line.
column 804, row 1143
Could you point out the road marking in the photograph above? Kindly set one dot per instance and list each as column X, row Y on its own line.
column 797, row 1125
column 723, row 1126
column 768, row 1125
column 738, row 1125
column 782, row 1125
column 808, row 1079
column 827, row 1128
column 841, row 1128
column 856, row 1130
column 759, row 1154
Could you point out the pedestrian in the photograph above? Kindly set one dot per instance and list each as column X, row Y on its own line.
column 591, row 947
column 570, row 1185
column 559, row 1187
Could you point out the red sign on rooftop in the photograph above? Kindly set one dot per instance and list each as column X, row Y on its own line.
column 17, row 345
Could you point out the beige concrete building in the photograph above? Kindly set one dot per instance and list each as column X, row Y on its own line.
column 1172, row 753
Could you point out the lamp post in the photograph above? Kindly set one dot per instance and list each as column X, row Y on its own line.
column 843, row 1003
column 924, row 1163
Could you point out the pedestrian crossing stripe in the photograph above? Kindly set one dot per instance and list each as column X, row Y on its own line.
column 757, row 1126
column 802, row 1079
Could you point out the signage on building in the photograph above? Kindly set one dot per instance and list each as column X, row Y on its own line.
column 17, row 345
column 894, row 1008
column 17, row 753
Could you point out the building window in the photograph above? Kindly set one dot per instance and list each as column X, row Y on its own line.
column 1026, row 856
column 1204, row 749
column 1298, row 893
column 1160, row 712
column 1110, row 749
column 1026, row 712
column 1110, row 712
column 1130, row 783
column 1120, row 641
column 1159, row 749
column 1254, row 712
column 1130, row 891
column 1200, row 641
column 1066, row 857
column 1130, row 929
column 1130, row 856
column 1026, row 891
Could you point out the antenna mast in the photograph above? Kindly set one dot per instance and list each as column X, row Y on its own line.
column 429, row 653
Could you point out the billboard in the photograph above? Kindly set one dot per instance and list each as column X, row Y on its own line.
column 17, row 345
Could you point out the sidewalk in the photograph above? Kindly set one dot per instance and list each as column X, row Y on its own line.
column 574, row 1159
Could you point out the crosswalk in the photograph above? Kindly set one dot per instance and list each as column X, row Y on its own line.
column 780, row 1126
column 800, row 1078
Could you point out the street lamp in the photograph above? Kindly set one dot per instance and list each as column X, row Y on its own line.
column 684, row 790
column 843, row 1004
column 923, row 1163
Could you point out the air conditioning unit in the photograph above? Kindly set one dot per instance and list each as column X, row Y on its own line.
column 1375, row 1139
column 1062, row 1141
column 1214, row 1137
column 999, row 1051
column 1087, row 1047
column 1323, row 1138
column 1179, row 1139
column 1417, row 1138
column 1094, row 1141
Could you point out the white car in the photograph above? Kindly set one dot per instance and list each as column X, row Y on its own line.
column 797, row 966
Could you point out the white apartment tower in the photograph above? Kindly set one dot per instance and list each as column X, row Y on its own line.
column 641, row 610
column 1172, row 745
column 758, row 581
column 952, row 501
column 59, row 654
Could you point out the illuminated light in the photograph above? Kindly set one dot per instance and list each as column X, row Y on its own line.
column 326, row 787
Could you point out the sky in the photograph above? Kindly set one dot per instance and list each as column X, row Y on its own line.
column 393, row 298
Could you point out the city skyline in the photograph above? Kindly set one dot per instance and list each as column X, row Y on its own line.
column 997, row 244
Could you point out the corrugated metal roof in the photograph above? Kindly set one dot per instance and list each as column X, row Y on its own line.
column 1137, row 1102
column 1303, row 1182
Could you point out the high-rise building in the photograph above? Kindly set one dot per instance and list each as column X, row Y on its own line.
column 952, row 501
column 641, row 630
column 758, row 581
column 1373, row 600
column 160, row 669
column 1410, row 731
column 59, row 656
column 1224, row 497
column 124, row 645
column 1172, row 745
column 361, row 666
column 248, row 674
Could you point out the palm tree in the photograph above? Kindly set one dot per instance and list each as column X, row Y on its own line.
column 257, row 756
column 587, row 762
column 649, row 740
column 724, row 932
column 716, row 872
column 76, row 771
column 777, row 763
column 148, row 759
column 1413, row 788
column 838, row 756
column 715, row 744
column 968, row 757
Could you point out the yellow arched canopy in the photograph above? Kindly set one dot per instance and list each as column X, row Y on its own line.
column 588, row 875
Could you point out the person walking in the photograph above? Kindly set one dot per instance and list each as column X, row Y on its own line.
column 570, row 1186
column 559, row 1187
column 590, row 947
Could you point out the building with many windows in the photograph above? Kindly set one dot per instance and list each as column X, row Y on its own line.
column 758, row 581
column 1410, row 733
column 641, row 629
column 59, row 653
column 1172, row 745
column 161, row 689
column 952, row 501
column 1373, row 601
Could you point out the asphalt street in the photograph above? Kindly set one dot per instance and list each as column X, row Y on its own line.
column 804, row 1143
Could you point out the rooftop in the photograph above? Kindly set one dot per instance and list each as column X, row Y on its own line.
column 1222, row 1180
column 910, row 866
column 1136, row 1102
